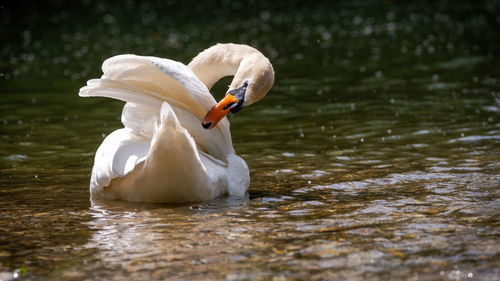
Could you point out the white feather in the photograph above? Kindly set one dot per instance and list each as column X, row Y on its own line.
column 163, row 154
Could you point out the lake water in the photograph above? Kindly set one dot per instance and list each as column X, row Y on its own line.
column 375, row 156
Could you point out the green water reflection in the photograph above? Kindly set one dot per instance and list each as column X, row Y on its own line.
column 375, row 156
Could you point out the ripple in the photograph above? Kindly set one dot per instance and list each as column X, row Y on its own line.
column 392, row 179
column 461, row 62
column 16, row 157
column 475, row 138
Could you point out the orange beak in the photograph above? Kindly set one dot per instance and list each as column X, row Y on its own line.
column 218, row 112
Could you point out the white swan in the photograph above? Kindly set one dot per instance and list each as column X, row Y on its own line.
column 166, row 153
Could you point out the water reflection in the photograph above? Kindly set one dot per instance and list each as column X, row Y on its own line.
column 155, row 241
column 376, row 224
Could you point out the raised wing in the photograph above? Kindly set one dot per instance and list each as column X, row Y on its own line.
column 145, row 83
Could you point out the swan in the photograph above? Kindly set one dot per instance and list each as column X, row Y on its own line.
column 176, row 144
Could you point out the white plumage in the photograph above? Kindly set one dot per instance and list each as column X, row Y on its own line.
column 163, row 154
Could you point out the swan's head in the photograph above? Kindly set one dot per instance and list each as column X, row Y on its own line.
column 252, row 81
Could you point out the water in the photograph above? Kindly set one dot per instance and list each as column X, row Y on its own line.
column 375, row 156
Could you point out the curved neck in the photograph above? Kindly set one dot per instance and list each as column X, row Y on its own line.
column 219, row 61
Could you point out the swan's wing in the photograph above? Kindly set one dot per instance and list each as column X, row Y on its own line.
column 145, row 82
column 118, row 154
column 163, row 79
column 169, row 79
column 142, row 109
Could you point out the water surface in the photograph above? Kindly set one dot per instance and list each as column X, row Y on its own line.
column 375, row 156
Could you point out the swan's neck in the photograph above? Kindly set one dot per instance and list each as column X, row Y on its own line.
column 220, row 61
